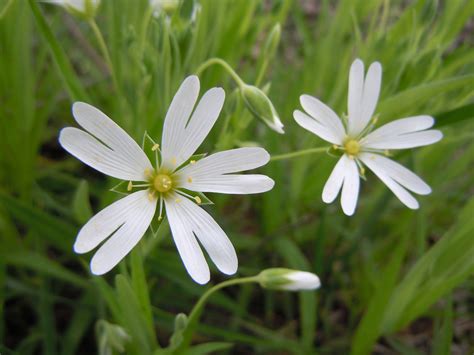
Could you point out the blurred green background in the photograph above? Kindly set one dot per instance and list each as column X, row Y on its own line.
column 393, row 280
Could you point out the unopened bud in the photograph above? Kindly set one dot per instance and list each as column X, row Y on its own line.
column 260, row 105
column 288, row 280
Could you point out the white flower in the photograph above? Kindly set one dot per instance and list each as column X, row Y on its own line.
column 166, row 6
column 359, row 146
column 78, row 7
column 288, row 280
column 107, row 148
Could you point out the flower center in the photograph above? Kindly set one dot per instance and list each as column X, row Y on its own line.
column 162, row 183
column 352, row 147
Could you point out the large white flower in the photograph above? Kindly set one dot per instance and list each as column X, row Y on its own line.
column 107, row 148
column 360, row 146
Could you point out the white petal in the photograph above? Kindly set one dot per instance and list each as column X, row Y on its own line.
column 209, row 234
column 363, row 95
column 135, row 218
column 350, row 187
column 301, row 280
column 112, row 135
column 356, row 89
column 182, row 138
column 403, row 133
column 334, row 183
column 370, row 96
column 98, row 156
column 178, row 115
column 310, row 124
column 397, row 172
column 186, row 243
column 228, row 161
column 404, row 141
column 399, row 127
column 230, row 184
column 104, row 223
column 206, row 175
column 373, row 163
column 324, row 115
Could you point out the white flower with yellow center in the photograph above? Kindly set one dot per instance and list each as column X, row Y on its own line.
column 361, row 146
column 107, row 148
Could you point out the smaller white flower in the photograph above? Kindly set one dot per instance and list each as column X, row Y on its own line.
column 107, row 148
column 85, row 8
column 360, row 146
column 288, row 280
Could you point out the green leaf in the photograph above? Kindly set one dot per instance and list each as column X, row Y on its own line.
column 459, row 114
column 448, row 263
column 43, row 265
column 404, row 101
column 80, row 204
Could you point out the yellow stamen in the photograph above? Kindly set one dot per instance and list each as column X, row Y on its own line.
column 151, row 195
column 155, row 147
column 160, row 218
column 193, row 161
column 198, row 200
column 162, row 183
column 129, row 186
column 352, row 147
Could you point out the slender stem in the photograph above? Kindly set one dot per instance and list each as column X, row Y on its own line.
column 224, row 64
column 144, row 31
column 298, row 153
column 195, row 314
column 104, row 49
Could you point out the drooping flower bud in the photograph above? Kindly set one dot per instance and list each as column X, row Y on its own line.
column 288, row 280
column 112, row 337
column 260, row 105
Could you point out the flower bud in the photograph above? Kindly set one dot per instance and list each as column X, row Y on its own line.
column 82, row 8
column 164, row 6
column 112, row 337
column 288, row 280
column 260, row 105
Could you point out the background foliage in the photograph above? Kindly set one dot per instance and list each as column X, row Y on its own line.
column 394, row 280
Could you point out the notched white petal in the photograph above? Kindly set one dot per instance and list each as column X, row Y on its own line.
column 334, row 183
column 188, row 222
column 112, row 135
column 310, row 124
column 376, row 162
column 98, row 156
column 350, row 187
column 124, row 223
column 324, row 115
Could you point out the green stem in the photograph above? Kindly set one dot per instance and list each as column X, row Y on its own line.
column 196, row 312
column 144, row 31
column 66, row 72
column 298, row 153
column 104, row 50
column 223, row 64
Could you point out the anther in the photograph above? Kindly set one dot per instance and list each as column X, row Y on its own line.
column 155, row 147
column 160, row 218
column 193, row 161
column 197, row 199
column 151, row 195
column 129, row 186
